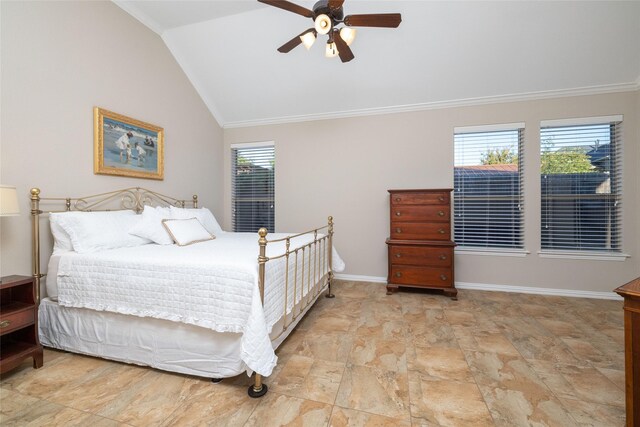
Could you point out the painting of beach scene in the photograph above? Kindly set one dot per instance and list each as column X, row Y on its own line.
column 127, row 147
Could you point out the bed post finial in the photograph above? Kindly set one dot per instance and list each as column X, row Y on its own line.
column 195, row 201
column 258, row 389
column 35, row 239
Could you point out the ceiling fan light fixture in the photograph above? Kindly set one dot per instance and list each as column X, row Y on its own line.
column 348, row 35
column 323, row 24
column 331, row 51
column 308, row 39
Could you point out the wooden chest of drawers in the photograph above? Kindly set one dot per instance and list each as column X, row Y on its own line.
column 420, row 246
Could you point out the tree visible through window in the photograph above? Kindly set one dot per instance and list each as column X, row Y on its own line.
column 253, row 187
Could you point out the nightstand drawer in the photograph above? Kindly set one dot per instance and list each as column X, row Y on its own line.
column 429, row 276
column 421, row 255
column 16, row 317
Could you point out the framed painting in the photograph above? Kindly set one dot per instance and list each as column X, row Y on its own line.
column 126, row 147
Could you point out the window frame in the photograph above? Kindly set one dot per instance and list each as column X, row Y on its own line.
column 617, row 175
column 519, row 249
column 236, row 227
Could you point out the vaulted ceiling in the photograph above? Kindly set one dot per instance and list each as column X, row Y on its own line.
column 443, row 53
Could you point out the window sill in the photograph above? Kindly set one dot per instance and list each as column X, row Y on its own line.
column 592, row 256
column 491, row 252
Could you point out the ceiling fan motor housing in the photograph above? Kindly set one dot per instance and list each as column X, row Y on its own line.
column 322, row 7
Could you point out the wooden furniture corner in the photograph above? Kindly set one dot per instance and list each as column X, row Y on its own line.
column 18, row 323
column 631, row 294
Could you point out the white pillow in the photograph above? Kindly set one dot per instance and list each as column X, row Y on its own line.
column 97, row 231
column 150, row 227
column 187, row 231
column 61, row 240
column 203, row 215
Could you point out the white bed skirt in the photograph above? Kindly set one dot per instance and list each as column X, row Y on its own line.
column 158, row 343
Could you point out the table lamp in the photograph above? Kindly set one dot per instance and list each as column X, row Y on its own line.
column 9, row 201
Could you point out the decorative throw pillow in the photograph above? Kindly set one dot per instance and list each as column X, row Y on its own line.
column 97, row 231
column 150, row 227
column 186, row 231
column 203, row 215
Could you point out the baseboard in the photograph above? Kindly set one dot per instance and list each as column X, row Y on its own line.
column 501, row 288
column 357, row 278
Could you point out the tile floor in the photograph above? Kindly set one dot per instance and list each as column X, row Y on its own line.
column 368, row 359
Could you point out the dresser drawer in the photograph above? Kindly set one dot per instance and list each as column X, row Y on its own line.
column 420, row 230
column 431, row 198
column 421, row 255
column 13, row 319
column 420, row 213
column 428, row 276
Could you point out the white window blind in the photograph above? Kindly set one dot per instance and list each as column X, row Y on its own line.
column 488, row 194
column 581, row 185
column 253, row 187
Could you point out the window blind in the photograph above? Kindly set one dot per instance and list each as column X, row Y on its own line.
column 581, row 187
column 488, row 194
column 253, row 187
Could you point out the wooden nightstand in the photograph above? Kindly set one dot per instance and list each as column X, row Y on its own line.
column 18, row 323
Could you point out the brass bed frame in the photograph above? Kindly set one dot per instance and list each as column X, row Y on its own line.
column 135, row 198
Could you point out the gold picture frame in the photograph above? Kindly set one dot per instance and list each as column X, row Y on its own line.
column 124, row 146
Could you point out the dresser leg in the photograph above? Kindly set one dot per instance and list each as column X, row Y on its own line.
column 451, row 293
column 391, row 289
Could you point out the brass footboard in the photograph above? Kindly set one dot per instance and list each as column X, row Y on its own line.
column 317, row 256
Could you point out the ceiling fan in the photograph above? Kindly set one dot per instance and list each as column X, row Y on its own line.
column 327, row 15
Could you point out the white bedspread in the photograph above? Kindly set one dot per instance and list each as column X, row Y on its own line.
column 212, row 284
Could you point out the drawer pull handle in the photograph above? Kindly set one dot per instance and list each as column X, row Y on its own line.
column 5, row 323
column 440, row 213
column 443, row 257
column 443, row 277
column 398, row 230
column 397, row 199
column 398, row 274
column 398, row 214
column 441, row 231
column 397, row 255
column 441, row 198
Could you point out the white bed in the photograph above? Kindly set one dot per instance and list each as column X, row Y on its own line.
column 212, row 309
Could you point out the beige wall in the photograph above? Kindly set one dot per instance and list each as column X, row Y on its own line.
column 344, row 168
column 59, row 60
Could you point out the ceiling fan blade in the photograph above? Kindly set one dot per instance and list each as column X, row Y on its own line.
column 335, row 4
column 344, row 52
column 291, row 7
column 288, row 46
column 388, row 20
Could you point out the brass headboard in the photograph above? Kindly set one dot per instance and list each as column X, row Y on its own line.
column 134, row 198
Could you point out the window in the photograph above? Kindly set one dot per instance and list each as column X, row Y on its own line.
column 580, row 170
column 252, row 186
column 488, row 196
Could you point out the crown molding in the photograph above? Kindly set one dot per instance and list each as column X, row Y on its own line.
column 150, row 23
column 529, row 96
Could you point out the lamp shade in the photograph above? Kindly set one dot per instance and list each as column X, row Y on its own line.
column 323, row 24
column 9, row 201
column 308, row 39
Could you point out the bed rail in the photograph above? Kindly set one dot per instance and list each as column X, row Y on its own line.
column 318, row 254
